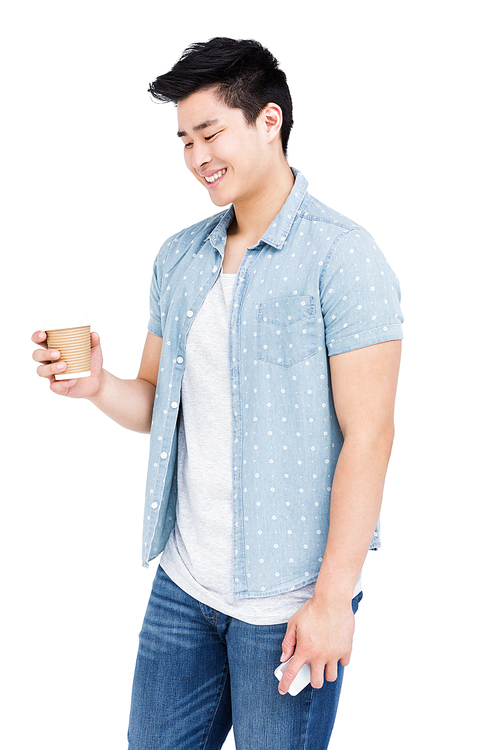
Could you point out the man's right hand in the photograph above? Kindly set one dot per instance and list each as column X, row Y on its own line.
column 50, row 364
column 128, row 402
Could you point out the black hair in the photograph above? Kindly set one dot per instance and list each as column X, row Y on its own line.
column 244, row 74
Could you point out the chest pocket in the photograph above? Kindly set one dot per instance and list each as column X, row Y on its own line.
column 287, row 330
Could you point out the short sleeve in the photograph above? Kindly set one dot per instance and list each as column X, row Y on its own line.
column 360, row 295
column 154, row 325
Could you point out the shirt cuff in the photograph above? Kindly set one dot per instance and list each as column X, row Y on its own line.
column 367, row 338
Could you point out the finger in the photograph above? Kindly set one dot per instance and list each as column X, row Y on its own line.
column 44, row 355
column 317, row 675
column 47, row 371
column 290, row 673
column 62, row 387
column 39, row 337
column 288, row 643
column 331, row 671
column 345, row 659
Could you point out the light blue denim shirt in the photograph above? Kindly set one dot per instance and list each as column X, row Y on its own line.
column 315, row 285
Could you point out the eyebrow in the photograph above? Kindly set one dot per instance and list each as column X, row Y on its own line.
column 201, row 126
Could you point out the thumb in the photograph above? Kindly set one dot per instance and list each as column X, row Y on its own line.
column 288, row 643
column 95, row 353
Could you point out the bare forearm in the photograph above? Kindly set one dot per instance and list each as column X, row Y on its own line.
column 128, row 402
column 355, row 506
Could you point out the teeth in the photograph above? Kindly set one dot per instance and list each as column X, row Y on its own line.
column 215, row 176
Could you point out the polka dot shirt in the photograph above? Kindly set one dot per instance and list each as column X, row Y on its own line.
column 315, row 285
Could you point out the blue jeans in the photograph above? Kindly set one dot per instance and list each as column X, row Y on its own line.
column 199, row 672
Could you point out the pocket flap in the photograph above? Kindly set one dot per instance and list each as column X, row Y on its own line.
column 286, row 310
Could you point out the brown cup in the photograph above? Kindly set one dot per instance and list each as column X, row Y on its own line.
column 74, row 346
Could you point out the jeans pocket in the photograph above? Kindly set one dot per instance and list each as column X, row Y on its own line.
column 287, row 330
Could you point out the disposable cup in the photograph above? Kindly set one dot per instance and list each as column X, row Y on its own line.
column 74, row 346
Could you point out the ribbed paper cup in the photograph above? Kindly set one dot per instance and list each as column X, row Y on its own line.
column 74, row 346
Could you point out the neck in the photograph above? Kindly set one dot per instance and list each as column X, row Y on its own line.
column 254, row 217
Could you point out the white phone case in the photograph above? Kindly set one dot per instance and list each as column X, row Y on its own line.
column 302, row 679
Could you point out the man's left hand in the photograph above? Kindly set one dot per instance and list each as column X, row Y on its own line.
column 321, row 634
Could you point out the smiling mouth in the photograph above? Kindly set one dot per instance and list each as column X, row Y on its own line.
column 216, row 176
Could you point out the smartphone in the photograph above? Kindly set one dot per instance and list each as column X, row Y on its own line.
column 302, row 679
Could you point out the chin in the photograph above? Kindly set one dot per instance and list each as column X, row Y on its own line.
column 219, row 200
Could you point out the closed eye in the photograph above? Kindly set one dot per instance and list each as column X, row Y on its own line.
column 209, row 137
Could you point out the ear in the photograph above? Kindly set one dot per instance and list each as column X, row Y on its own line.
column 272, row 120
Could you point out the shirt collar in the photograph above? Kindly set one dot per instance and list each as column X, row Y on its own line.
column 277, row 233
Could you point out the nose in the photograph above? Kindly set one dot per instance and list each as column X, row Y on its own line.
column 200, row 155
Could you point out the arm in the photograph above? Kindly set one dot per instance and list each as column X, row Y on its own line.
column 364, row 388
column 128, row 402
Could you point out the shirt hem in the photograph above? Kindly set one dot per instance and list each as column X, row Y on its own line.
column 154, row 331
column 194, row 593
column 213, row 603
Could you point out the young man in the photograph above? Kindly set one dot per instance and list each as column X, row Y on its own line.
column 267, row 381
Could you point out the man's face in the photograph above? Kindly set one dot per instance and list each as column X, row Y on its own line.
column 229, row 157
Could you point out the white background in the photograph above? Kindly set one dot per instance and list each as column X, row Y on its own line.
column 396, row 127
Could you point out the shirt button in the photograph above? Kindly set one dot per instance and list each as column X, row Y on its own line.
column 174, row 404
column 180, row 360
column 163, row 455
column 214, row 269
column 189, row 313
